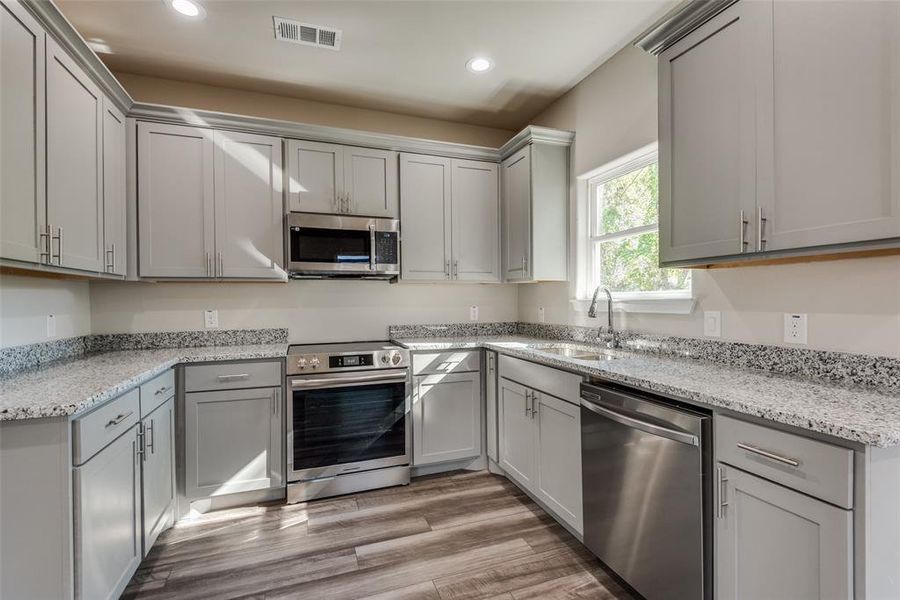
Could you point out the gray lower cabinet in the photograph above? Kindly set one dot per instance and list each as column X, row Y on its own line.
column 490, row 400
column 107, row 509
column 158, row 472
column 447, row 413
column 516, row 440
column 233, row 441
column 773, row 542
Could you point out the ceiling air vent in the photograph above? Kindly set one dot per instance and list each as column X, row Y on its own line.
column 296, row 32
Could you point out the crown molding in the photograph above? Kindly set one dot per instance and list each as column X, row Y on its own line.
column 536, row 133
column 683, row 19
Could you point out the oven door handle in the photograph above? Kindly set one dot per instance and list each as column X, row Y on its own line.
column 298, row 383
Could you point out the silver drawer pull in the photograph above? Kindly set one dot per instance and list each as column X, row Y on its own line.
column 162, row 390
column 119, row 418
column 765, row 453
column 233, row 377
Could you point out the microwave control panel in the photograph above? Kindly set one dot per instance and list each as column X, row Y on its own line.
column 386, row 247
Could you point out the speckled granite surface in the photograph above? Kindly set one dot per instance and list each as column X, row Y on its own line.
column 865, row 415
column 451, row 329
column 72, row 386
column 17, row 358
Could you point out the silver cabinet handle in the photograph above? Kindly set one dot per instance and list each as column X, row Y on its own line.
column 221, row 265
column 456, row 268
column 760, row 229
column 140, row 442
column 720, row 490
column 45, row 235
column 528, row 402
column 208, row 264
column 119, row 418
column 237, row 377
column 534, row 405
column 150, row 443
column 447, row 268
column 744, row 242
column 59, row 245
column 162, row 390
column 770, row 455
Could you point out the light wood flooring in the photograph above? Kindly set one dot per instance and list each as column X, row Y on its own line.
column 458, row 536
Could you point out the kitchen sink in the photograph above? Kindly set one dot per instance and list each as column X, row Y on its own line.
column 576, row 352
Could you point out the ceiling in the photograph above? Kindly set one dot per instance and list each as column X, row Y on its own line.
column 400, row 56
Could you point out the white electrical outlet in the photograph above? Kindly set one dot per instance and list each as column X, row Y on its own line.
column 473, row 313
column 51, row 326
column 712, row 323
column 795, row 328
column 541, row 316
column 211, row 319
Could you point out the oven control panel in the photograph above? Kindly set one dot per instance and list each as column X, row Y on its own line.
column 347, row 361
column 350, row 360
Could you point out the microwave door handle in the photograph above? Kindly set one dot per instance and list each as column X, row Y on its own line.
column 372, row 247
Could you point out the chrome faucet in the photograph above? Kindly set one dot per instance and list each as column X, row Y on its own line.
column 611, row 334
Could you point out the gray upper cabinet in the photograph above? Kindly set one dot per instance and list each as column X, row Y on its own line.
column 248, row 206
column 446, row 415
column 773, row 542
column 834, row 175
column 114, row 224
column 74, row 163
column 315, row 177
column 176, row 224
column 425, row 208
column 233, row 441
column 158, row 472
column 450, row 211
column 336, row 179
column 22, row 199
column 475, row 217
column 370, row 182
column 778, row 131
column 107, row 508
column 534, row 187
column 708, row 126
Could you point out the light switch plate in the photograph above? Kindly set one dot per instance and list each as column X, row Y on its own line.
column 51, row 326
column 795, row 328
column 473, row 313
column 211, row 319
column 712, row 323
column 541, row 316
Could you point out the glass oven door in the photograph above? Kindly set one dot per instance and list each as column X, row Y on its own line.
column 347, row 422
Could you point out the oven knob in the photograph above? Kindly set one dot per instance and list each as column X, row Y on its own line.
column 314, row 362
column 384, row 358
column 396, row 358
column 301, row 362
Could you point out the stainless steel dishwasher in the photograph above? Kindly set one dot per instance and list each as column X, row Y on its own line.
column 645, row 471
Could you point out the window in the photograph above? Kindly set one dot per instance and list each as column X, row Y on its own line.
column 622, row 232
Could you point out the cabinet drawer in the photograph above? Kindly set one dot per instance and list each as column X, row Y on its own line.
column 232, row 376
column 816, row 468
column 447, row 362
column 555, row 382
column 95, row 430
column 156, row 391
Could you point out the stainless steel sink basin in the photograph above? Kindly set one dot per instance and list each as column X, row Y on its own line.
column 575, row 352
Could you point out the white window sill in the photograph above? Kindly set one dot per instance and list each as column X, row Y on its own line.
column 662, row 303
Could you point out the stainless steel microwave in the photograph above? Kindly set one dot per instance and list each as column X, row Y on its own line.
column 333, row 246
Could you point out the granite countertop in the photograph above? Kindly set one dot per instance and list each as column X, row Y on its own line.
column 857, row 414
column 75, row 385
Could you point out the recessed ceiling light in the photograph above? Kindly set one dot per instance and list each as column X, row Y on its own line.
column 187, row 8
column 479, row 64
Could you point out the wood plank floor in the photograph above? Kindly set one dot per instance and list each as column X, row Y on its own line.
column 458, row 536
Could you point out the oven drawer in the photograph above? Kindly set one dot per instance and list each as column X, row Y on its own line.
column 816, row 468
column 95, row 430
column 446, row 362
column 232, row 376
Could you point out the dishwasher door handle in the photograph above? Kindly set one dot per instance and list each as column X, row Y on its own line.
column 651, row 428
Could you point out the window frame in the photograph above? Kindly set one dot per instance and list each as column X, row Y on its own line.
column 587, row 274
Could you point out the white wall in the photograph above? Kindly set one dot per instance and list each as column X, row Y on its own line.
column 25, row 303
column 313, row 311
column 853, row 305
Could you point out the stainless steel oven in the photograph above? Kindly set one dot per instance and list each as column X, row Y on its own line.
column 348, row 419
column 333, row 246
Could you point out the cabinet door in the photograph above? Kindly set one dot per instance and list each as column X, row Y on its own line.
column 490, row 400
column 113, row 189
column 158, row 472
column 175, row 201
column 516, row 233
column 425, row 205
column 476, row 221
column 446, row 417
column 22, row 199
column 516, row 437
column 249, row 206
column 370, row 182
column 835, row 171
column 558, row 447
column 709, row 105
column 107, row 496
column 773, row 542
column 316, row 177
column 74, row 163
column 233, row 441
